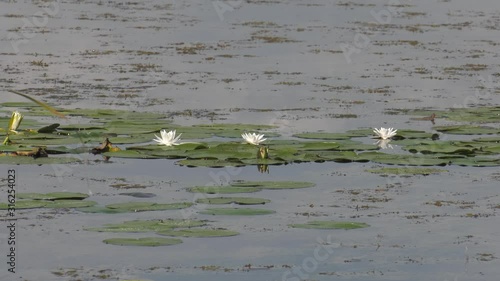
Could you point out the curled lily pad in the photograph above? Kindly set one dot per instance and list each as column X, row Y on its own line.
column 236, row 211
column 145, row 241
column 198, row 232
column 330, row 225
column 273, row 184
column 233, row 200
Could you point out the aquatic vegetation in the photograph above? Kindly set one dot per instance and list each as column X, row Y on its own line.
column 168, row 139
column 385, row 133
column 198, row 232
column 236, row 212
column 15, row 121
column 144, row 241
column 253, row 138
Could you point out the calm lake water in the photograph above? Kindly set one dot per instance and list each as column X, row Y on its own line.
column 300, row 65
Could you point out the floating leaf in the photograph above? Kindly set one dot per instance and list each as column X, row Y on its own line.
column 213, row 163
column 147, row 225
column 273, row 184
column 236, row 211
column 53, row 196
column 25, row 160
column 198, row 232
column 24, row 204
column 233, row 200
column 70, row 204
column 467, row 130
column 222, row 189
column 330, row 225
column 324, row 136
column 129, row 154
column 145, row 241
column 148, row 206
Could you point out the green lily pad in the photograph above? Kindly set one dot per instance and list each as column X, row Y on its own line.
column 198, row 232
column 213, row 163
column 245, row 127
column 101, row 210
column 69, row 204
column 25, row 204
column 145, row 241
column 467, row 130
column 406, row 171
column 476, row 162
column 25, row 160
column 330, row 225
column 273, row 184
column 82, row 127
column 408, row 160
column 413, row 134
column 148, row 206
column 147, row 225
column 53, row 196
column 488, row 139
column 233, row 200
column 236, row 212
column 129, row 154
column 237, row 134
column 222, row 189
column 450, row 147
column 319, row 146
column 324, row 136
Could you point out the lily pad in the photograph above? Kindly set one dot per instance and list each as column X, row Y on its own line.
column 25, row 160
column 233, row 200
column 198, row 232
column 145, row 241
column 273, row 184
column 330, row 225
column 213, row 163
column 148, row 206
column 467, row 130
column 324, row 136
column 147, row 225
column 70, row 204
column 129, row 154
column 53, row 196
column 25, row 204
column 222, row 189
column 245, row 127
column 236, row 211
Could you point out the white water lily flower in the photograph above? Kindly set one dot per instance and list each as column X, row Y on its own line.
column 253, row 138
column 384, row 133
column 167, row 139
column 15, row 121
